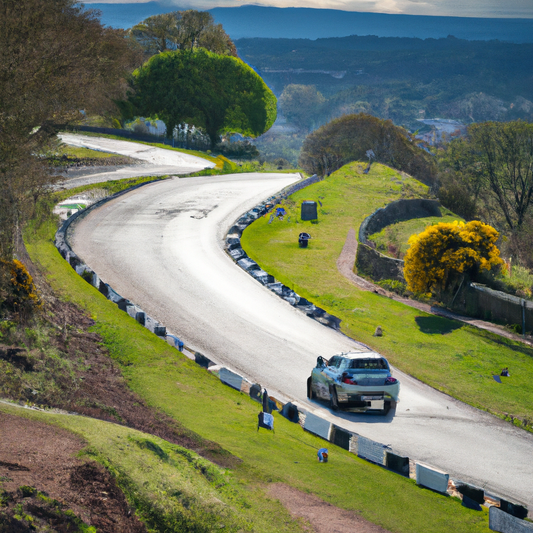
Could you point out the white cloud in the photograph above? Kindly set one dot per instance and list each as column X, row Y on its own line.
column 457, row 8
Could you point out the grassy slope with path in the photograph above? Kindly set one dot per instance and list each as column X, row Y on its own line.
column 448, row 355
column 171, row 487
column 169, row 381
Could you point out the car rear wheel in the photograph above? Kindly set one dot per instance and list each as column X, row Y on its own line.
column 333, row 399
column 386, row 409
column 310, row 392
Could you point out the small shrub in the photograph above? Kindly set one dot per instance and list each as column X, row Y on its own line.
column 393, row 285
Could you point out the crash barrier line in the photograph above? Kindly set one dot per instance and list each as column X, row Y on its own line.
column 63, row 246
column 363, row 447
column 236, row 252
column 367, row 449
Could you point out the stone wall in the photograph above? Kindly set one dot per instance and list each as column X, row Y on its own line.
column 374, row 264
column 397, row 211
column 378, row 266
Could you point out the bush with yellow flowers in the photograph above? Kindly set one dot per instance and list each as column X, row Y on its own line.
column 19, row 295
column 442, row 252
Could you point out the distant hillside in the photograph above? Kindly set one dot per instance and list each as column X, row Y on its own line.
column 306, row 23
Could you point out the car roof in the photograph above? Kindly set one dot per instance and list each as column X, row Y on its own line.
column 361, row 355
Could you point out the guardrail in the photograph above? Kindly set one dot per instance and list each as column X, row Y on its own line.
column 505, row 516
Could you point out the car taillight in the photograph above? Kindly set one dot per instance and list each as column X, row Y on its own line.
column 390, row 381
column 348, row 379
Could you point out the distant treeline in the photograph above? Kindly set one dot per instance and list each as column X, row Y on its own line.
column 402, row 78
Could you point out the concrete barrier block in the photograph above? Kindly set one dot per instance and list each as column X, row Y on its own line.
column 341, row 438
column 112, row 295
column 514, row 509
column 370, row 450
column 318, row 426
column 397, row 463
column 469, row 503
column 431, row 478
column 505, row 523
column 290, row 412
column 202, row 360
column 160, row 331
column 141, row 318
column 255, row 392
column 230, row 378
column 470, row 491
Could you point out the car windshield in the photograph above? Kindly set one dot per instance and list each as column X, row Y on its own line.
column 369, row 364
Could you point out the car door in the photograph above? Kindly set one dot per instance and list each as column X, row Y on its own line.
column 329, row 375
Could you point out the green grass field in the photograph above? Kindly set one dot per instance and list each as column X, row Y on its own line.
column 185, row 391
column 448, row 355
column 397, row 235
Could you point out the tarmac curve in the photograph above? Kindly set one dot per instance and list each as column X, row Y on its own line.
column 161, row 246
column 153, row 161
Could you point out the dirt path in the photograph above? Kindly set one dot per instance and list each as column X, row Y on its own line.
column 34, row 454
column 322, row 516
column 346, row 262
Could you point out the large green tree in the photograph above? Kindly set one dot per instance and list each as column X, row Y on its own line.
column 219, row 94
column 350, row 137
column 182, row 30
column 55, row 59
column 496, row 160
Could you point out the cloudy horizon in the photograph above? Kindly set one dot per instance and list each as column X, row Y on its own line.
column 455, row 8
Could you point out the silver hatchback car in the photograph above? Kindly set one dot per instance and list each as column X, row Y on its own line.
column 355, row 381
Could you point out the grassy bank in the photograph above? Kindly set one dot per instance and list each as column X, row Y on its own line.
column 183, row 390
column 172, row 488
column 448, row 355
column 393, row 240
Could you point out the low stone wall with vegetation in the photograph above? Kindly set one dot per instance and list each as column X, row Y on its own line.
column 374, row 264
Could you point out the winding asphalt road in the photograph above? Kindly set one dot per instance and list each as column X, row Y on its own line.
column 162, row 247
column 153, row 161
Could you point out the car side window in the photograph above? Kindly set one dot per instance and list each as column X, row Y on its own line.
column 335, row 361
column 344, row 364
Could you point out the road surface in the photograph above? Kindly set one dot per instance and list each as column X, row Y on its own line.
column 152, row 161
column 161, row 246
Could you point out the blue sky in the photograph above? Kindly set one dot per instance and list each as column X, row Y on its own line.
column 458, row 8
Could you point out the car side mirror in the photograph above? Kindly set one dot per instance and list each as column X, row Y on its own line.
column 321, row 362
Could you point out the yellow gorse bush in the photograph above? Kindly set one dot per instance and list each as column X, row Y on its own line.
column 22, row 295
column 445, row 250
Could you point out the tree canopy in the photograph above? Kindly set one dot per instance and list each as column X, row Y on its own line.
column 495, row 160
column 182, row 30
column 301, row 104
column 443, row 251
column 219, row 94
column 55, row 59
column 348, row 138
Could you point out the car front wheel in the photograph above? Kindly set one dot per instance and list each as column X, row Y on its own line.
column 310, row 393
column 333, row 399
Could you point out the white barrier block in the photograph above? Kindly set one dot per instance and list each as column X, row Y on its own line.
column 318, row 426
column 370, row 450
column 431, row 478
column 506, row 523
column 230, row 378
